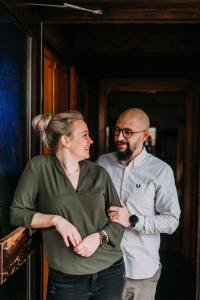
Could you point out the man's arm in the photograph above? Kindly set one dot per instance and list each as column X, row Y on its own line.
column 167, row 210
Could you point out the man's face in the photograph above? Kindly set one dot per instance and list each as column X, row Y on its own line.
column 129, row 142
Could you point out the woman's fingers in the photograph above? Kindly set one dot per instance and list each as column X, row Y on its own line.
column 88, row 245
column 113, row 215
column 82, row 251
column 65, row 238
column 72, row 240
column 75, row 238
column 68, row 231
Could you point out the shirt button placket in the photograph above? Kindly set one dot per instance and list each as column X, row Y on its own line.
column 124, row 183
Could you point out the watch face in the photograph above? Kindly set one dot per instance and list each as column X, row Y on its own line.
column 133, row 220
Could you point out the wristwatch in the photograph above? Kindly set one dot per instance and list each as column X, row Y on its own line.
column 103, row 237
column 133, row 219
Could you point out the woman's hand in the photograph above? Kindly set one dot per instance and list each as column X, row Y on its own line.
column 88, row 245
column 68, row 231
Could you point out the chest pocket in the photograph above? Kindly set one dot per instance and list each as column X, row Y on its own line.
column 141, row 196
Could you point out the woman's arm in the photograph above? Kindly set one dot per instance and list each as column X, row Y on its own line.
column 68, row 231
column 23, row 211
column 114, row 231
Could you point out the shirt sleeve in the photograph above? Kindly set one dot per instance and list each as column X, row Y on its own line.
column 24, row 203
column 113, row 230
column 167, row 210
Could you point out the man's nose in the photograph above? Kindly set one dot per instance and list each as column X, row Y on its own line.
column 120, row 137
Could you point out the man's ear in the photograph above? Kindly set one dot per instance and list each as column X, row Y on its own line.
column 64, row 140
column 146, row 134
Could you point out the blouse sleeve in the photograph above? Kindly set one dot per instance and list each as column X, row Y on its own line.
column 24, row 203
column 113, row 230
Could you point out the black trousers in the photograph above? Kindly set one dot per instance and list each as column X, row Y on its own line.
column 104, row 285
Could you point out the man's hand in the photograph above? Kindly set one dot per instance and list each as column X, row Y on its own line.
column 67, row 230
column 88, row 245
column 119, row 215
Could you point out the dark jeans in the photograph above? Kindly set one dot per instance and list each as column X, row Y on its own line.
column 104, row 285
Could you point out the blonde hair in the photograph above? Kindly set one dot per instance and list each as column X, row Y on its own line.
column 52, row 127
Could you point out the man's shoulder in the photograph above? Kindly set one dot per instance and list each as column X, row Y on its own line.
column 158, row 163
column 107, row 157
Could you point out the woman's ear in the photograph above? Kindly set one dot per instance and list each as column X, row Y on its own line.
column 64, row 140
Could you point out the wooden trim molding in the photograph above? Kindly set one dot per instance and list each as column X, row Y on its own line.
column 73, row 89
column 14, row 250
column 129, row 15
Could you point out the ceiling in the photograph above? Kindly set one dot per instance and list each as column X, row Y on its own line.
column 115, row 11
column 127, row 33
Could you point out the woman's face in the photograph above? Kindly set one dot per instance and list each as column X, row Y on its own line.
column 80, row 141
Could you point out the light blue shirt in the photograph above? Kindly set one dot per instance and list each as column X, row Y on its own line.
column 147, row 188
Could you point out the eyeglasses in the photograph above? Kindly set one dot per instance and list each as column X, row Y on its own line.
column 126, row 132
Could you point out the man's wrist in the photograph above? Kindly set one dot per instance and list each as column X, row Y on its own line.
column 133, row 220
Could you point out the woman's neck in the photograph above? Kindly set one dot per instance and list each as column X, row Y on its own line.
column 69, row 164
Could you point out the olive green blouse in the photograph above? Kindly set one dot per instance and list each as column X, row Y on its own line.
column 45, row 188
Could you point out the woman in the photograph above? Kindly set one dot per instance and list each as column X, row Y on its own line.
column 67, row 197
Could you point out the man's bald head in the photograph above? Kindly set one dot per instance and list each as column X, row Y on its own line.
column 137, row 116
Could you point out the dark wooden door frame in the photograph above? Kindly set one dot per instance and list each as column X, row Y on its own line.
column 191, row 209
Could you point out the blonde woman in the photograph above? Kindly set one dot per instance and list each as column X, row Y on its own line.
column 67, row 197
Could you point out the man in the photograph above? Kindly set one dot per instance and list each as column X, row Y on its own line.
column 149, row 202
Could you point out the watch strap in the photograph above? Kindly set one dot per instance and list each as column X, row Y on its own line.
column 103, row 237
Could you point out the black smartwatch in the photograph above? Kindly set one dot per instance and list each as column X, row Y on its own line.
column 103, row 237
column 133, row 219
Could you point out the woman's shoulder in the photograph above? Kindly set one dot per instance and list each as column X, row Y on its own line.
column 39, row 160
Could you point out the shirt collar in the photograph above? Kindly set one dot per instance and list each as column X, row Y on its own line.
column 139, row 158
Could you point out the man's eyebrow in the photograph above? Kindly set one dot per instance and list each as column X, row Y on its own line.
column 123, row 128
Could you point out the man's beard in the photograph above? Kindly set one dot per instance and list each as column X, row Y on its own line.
column 124, row 155
column 128, row 153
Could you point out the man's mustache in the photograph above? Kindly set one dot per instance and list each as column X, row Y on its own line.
column 121, row 143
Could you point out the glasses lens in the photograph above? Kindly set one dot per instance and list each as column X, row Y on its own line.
column 127, row 133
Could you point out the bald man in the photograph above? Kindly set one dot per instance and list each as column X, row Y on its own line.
column 149, row 202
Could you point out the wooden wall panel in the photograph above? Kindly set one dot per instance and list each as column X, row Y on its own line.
column 14, row 249
column 55, row 83
column 56, row 99
column 73, row 88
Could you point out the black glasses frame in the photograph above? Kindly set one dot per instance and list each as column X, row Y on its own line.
column 126, row 132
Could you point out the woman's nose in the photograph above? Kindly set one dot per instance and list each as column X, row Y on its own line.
column 90, row 140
